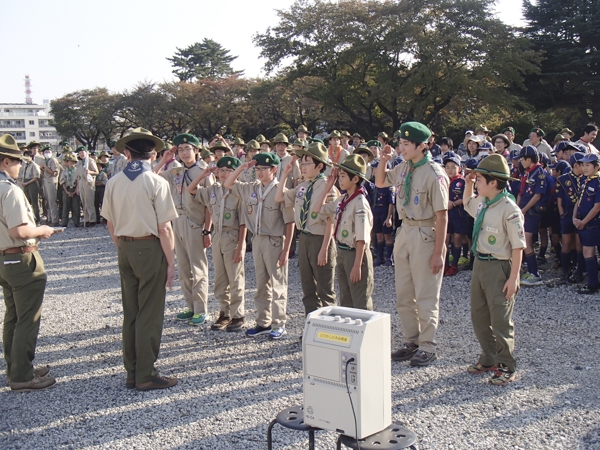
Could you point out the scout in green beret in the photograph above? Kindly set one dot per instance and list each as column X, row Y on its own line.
column 375, row 147
column 422, row 191
column 498, row 242
column 272, row 225
column 536, row 138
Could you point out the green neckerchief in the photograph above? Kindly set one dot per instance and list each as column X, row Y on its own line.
column 306, row 204
column 479, row 220
column 408, row 179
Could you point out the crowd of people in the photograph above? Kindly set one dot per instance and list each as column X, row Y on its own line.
column 342, row 206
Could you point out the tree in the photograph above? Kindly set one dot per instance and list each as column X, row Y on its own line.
column 206, row 59
column 86, row 115
column 567, row 34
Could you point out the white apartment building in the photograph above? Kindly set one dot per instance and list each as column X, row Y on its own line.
column 28, row 122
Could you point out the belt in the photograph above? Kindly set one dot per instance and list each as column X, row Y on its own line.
column 15, row 250
column 419, row 223
column 345, row 247
column 143, row 238
column 486, row 257
column 306, row 232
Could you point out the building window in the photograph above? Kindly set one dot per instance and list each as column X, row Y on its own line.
column 32, row 122
column 32, row 133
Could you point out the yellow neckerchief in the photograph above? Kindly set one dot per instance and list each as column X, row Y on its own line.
column 587, row 180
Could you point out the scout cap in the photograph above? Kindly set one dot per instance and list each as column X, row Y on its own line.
column 139, row 133
column 299, row 143
column 509, row 129
column 528, row 151
column 205, row 153
column 374, row 143
column 503, row 137
column 515, row 154
column 561, row 166
column 590, row 158
column 238, row 141
column 451, row 157
column 576, row 146
column 482, row 128
column 357, row 135
column 567, row 131
column 253, row 145
column 260, row 139
column 316, row 151
column 186, row 138
column 69, row 157
column 335, row 134
column 302, row 128
column 545, row 159
column 229, row 161
column 219, row 145
column 560, row 147
column 9, row 147
column 495, row 166
column 471, row 164
column 355, row 164
column 266, row 159
column 576, row 158
column 364, row 149
column 82, row 148
column 538, row 131
column 415, row 132
column 32, row 144
column 280, row 139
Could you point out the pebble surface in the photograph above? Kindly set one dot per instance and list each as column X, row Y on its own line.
column 231, row 386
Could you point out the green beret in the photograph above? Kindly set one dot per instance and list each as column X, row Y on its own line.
column 229, row 161
column 538, row 131
column 415, row 132
column 47, row 147
column 82, row 148
column 111, row 144
column 266, row 159
column 374, row 143
column 186, row 138
column 511, row 129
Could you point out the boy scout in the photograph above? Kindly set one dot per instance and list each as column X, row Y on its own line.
column 22, row 275
column 31, row 185
column 71, row 201
column 352, row 232
column 120, row 160
column 249, row 175
column 272, row 225
column 498, row 242
column 281, row 145
column 316, row 252
column 422, row 189
column 139, row 211
column 192, row 227
column 227, row 245
column 51, row 169
column 86, row 185
column 101, row 181
column 336, row 153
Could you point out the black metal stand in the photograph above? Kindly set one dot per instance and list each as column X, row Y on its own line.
column 394, row 437
column 292, row 418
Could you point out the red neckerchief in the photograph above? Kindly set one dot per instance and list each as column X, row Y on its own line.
column 525, row 176
column 343, row 205
column 453, row 179
column 339, row 153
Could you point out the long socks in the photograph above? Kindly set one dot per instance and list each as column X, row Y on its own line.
column 565, row 261
column 592, row 271
column 532, row 266
column 455, row 255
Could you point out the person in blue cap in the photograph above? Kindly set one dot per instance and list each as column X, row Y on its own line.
column 516, row 172
column 559, row 151
column 550, row 218
column 533, row 200
column 458, row 219
column 586, row 218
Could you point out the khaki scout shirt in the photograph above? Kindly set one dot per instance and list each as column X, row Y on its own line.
column 356, row 221
column 80, row 172
column 53, row 165
column 274, row 215
column 248, row 176
column 316, row 222
column 429, row 190
column 502, row 227
column 179, row 178
column 285, row 161
column 137, row 207
column 15, row 210
column 31, row 170
column 211, row 197
column 68, row 177
column 39, row 159
column 118, row 165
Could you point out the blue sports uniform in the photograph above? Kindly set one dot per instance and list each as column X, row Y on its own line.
column 589, row 195
column 534, row 181
column 380, row 200
column 567, row 189
column 458, row 219
column 551, row 217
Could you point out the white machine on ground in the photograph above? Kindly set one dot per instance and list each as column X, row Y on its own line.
column 347, row 348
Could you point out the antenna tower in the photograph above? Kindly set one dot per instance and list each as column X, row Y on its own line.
column 28, row 99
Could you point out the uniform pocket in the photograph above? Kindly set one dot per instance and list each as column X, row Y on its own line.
column 276, row 241
column 427, row 234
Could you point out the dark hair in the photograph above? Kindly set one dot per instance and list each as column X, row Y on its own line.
column 352, row 175
column 448, row 141
column 590, row 127
column 315, row 162
column 500, row 184
column 534, row 158
column 140, row 148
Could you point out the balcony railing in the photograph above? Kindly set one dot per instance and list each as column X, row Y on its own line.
column 3, row 125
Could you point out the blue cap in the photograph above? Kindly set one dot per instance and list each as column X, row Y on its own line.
column 576, row 158
column 515, row 154
column 437, row 159
column 485, row 145
column 590, row 158
column 561, row 146
column 576, row 146
column 561, row 167
column 455, row 159
column 471, row 164
column 530, row 150
column 544, row 159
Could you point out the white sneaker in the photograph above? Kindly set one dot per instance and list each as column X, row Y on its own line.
column 530, row 279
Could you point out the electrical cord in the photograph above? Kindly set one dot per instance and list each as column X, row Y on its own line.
column 352, row 404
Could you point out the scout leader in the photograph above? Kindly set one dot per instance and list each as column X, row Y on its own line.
column 316, row 251
column 422, row 189
column 272, row 225
column 498, row 243
column 22, row 275
column 228, row 244
column 51, row 170
column 192, row 227
column 139, row 210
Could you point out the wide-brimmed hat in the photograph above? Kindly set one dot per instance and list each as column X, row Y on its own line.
column 364, row 149
column 354, row 164
column 495, row 166
column 346, row 134
column 253, row 145
column 559, row 137
column 482, row 128
column 186, row 138
column 205, row 153
column 566, row 130
column 383, row 135
column 503, row 137
column 9, row 147
column 219, row 145
column 316, row 151
column 139, row 133
column 104, row 153
column 335, row 134
column 300, row 143
column 238, row 141
column 302, row 129
column 261, row 139
column 69, row 156
column 280, row 139
column 33, row 143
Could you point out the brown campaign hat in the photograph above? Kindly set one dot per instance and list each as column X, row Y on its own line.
column 495, row 166
column 355, row 164
column 316, row 151
column 9, row 147
column 139, row 133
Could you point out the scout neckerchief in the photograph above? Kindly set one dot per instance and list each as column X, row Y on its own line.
column 70, row 173
column 222, row 206
column 5, row 177
column 343, row 205
column 261, row 197
column 479, row 220
column 408, row 179
column 306, row 204
column 134, row 169
column 186, row 178
column 525, row 177
column 338, row 154
column 584, row 186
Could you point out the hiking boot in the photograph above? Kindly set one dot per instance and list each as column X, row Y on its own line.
column 502, row 376
column 480, row 368
column 258, row 330
column 530, row 279
column 222, row 322
column 185, row 315
column 40, row 372
column 236, row 324
column 405, row 352
column 451, row 271
column 277, row 333
column 35, row 384
column 422, row 358
column 587, row 290
column 157, row 383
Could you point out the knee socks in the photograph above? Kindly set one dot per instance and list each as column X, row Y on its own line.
column 532, row 264
column 565, row 261
column 581, row 266
column 456, row 255
column 592, row 271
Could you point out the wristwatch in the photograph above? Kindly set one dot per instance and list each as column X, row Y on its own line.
column 206, row 232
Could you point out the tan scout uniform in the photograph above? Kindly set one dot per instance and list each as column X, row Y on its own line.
column 248, row 176
column 336, row 158
column 230, row 277
column 189, row 244
column 355, row 224
column 32, row 170
column 295, row 175
column 267, row 245
column 87, row 189
column 39, row 159
column 491, row 314
column 118, row 165
column 50, row 189
column 317, row 281
column 417, row 288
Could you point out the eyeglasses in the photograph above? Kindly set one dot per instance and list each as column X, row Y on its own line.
column 307, row 164
column 225, row 169
column 262, row 169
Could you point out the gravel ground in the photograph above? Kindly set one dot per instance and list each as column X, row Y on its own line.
column 230, row 386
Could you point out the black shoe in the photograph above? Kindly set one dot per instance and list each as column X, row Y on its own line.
column 575, row 278
column 586, row 290
column 422, row 358
column 157, row 383
column 405, row 352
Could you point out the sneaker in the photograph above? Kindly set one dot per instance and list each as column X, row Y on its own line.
column 222, row 322
column 40, row 372
column 258, row 330
column 35, row 384
column 405, row 352
column 236, row 324
column 185, row 315
column 480, row 368
column 502, row 376
column 422, row 358
column 530, row 279
column 468, row 265
column 463, row 260
column 587, row 290
column 388, row 262
column 277, row 333
column 157, row 383
column 451, row 271
column 197, row 319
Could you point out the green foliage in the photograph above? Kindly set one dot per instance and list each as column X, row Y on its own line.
column 206, row 59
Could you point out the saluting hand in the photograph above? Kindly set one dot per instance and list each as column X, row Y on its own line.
column 331, row 179
column 248, row 164
column 386, row 153
column 288, row 169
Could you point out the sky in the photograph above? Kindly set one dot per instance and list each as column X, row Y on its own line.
column 69, row 45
